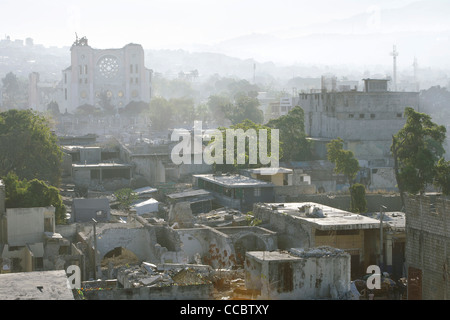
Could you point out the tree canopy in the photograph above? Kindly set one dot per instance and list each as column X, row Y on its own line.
column 14, row 92
column 246, row 127
column 417, row 149
column 358, row 202
column 33, row 193
column 28, row 147
column 244, row 107
column 292, row 135
column 344, row 160
column 125, row 197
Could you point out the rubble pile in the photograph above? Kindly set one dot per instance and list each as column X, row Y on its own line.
column 151, row 275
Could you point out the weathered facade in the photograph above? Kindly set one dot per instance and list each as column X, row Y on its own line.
column 427, row 247
column 235, row 191
column 307, row 225
column 365, row 120
column 318, row 273
column 118, row 74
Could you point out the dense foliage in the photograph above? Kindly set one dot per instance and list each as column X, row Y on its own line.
column 418, row 152
column 28, row 147
column 344, row 160
column 245, row 126
column 292, row 135
column 33, row 193
column 358, row 202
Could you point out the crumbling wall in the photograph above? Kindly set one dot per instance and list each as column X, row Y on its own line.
column 428, row 243
column 283, row 192
column 291, row 234
column 193, row 292
column 180, row 214
column 319, row 273
column 209, row 246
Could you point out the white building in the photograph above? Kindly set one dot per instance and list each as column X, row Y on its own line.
column 120, row 74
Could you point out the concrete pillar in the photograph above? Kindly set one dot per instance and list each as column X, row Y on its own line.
column 388, row 253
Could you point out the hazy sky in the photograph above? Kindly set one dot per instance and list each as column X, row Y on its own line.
column 167, row 23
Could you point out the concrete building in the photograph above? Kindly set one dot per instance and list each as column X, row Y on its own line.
column 308, row 224
column 37, row 285
column 108, row 176
column 200, row 200
column 287, row 182
column 146, row 206
column 317, row 273
column 84, row 210
column 234, row 190
column 120, row 74
column 427, row 247
column 357, row 117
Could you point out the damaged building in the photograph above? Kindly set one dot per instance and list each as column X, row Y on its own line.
column 311, row 274
column 356, row 117
column 29, row 241
column 307, row 225
column 427, row 243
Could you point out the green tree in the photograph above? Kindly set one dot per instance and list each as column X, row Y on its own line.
column 183, row 110
column 33, row 193
column 160, row 113
column 88, row 109
column 53, row 108
column 218, row 104
column 104, row 100
column 292, row 135
column 416, row 149
column 344, row 160
column 14, row 92
column 358, row 202
column 245, row 107
column 28, row 147
column 125, row 197
column 442, row 178
column 134, row 108
column 246, row 126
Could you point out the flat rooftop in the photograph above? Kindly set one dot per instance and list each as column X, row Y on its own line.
column 297, row 254
column 329, row 219
column 234, row 180
column 189, row 193
column 264, row 171
column 394, row 219
column 102, row 165
column 36, row 285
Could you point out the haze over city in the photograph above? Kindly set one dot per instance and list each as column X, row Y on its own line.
column 224, row 150
column 285, row 32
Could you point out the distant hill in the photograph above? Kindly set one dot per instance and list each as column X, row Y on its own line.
column 420, row 29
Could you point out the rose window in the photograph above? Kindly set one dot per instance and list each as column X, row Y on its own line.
column 108, row 66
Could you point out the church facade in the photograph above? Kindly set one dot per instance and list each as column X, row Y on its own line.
column 118, row 76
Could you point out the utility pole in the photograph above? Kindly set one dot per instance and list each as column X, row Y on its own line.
column 95, row 248
column 382, row 210
column 416, row 68
column 394, row 54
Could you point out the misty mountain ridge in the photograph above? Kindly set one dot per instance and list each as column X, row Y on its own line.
column 420, row 29
column 353, row 47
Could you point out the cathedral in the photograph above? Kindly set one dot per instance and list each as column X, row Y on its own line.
column 118, row 75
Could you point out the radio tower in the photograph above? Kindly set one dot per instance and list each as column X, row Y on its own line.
column 416, row 68
column 394, row 54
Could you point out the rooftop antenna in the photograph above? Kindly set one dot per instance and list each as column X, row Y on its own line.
column 394, row 54
column 416, row 69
